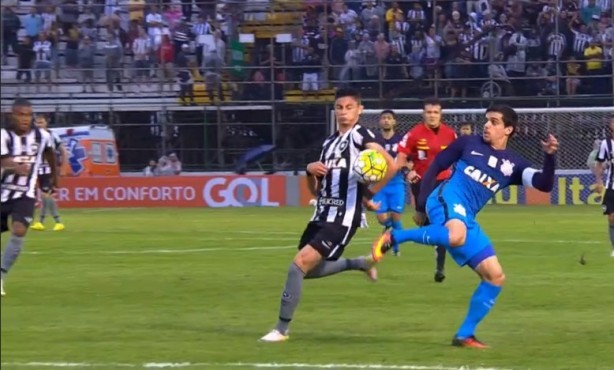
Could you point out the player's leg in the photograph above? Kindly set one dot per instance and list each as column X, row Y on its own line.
column 44, row 182
column 313, row 249
column 396, row 202
column 52, row 205
column 4, row 226
column 382, row 214
column 22, row 211
column 608, row 209
column 486, row 264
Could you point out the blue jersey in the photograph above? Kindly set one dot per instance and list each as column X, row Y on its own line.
column 391, row 145
column 480, row 172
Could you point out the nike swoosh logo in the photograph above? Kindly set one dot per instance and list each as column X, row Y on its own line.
column 473, row 152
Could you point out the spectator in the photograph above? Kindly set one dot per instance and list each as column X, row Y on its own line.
column 166, row 56
column 25, row 59
column 42, row 67
column 170, row 165
column 141, row 50
column 87, row 53
column 184, row 75
column 151, row 169
column 113, row 62
column 213, row 75
column 33, row 24
column 10, row 27
column 311, row 71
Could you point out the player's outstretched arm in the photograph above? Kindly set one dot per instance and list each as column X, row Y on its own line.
column 443, row 161
column 543, row 180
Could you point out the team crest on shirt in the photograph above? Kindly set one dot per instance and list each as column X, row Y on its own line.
column 507, row 168
column 343, row 145
column 33, row 149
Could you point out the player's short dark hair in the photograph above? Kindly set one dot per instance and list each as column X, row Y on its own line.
column 431, row 101
column 21, row 102
column 466, row 124
column 510, row 117
column 343, row 93
column 388, row 111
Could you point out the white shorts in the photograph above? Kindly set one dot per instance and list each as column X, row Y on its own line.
column 310, row 82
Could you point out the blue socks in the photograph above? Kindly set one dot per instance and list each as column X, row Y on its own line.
column 481, row 303
column 396, row 226
column 429, row 235
column 387, row 223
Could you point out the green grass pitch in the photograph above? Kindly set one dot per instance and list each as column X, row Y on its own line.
column 196, row 288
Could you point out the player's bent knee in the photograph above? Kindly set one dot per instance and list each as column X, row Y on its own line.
column 307, row 258
column 490, row 270
column 458, row 233
column 19, row 229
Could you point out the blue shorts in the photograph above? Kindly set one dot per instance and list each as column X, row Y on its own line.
column 391, row 198
column 477, row 245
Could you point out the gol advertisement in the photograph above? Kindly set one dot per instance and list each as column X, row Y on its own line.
column 266, row 191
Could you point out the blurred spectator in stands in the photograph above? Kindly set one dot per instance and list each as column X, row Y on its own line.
column 87, row 14
column 311, row 68
column 10, row 27
column 184, row 75
column 366, row 47
column 181, row 35
column 391, row 15
column 49, row 17
column 89, row 30
column 25, row 60
column 154, row 24
column 516, row 61
column 590, row 9
column 497, row 72
column 69, row 14
column 416, row 63
column 213, row 69
column 33, row 24
column 71, row 52
column 141, row 51
column 416, row 18
column 42, row 67
column 166, row 56
column 353, row 64
column 466, row 129
column 337, row 51
column 113, row 62
column 136, row 11
column 594, row 57
column 172, row 16
column 200, row 28
column 151, row 169
column 572, row 76
column 87, row 53
column 395, row 70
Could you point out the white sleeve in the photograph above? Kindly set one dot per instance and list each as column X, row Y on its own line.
column 602, row 154
column 4, row 137
column 527, row 177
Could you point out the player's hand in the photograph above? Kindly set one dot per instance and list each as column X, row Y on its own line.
column 372, row 206
column 22, row 169
column 419, row 218
column 599, row 187
column 317, row 168
column 413, row 177
column 551, row 145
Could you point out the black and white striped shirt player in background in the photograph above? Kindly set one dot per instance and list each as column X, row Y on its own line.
column 605, row 160
column 44, row 179
column 340, row 200
column 23, row 149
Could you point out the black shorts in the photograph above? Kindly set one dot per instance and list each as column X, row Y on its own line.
column 21, row 210
column 44, row 183
column 608, row 202
column 327, row 238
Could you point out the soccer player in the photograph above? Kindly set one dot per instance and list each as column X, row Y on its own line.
column 391, row 198
column 44, row 180
column 337, row 216
column 23, row 149
column 605, row 158
column 484, row 166
column 418, row 149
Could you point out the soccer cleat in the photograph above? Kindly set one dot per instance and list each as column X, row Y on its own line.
column 58, row 227
column 381, row 245
column 2, row 292
column 275, row 336
column 469, row 342
column 371, row 272
column 38, row 226
column 439, row 276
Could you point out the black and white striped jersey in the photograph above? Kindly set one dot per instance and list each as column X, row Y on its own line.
column 24, row 149
column 56, row 144
column 606, row 156
column 340, row 192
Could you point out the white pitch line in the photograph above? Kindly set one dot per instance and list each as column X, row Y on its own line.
column 178, row 365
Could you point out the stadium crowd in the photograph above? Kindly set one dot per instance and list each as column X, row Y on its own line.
column 526, row 47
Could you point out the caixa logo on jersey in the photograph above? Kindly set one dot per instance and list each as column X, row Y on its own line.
column 221, row 192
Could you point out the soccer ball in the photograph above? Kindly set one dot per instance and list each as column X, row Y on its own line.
column 370, row 166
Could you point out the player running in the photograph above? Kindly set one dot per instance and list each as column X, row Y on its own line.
column 23, row 149
column 484, row 166
column 44, row 180
column 417, row 150
column 339, row 206
column 605, row 158
column 391, row 198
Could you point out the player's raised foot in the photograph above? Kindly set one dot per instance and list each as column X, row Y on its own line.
column 439, row 276
column 371, row 271
column 2, row 292
column 38, row 226
column 275, row 336
column 59, row 227
column 381, row 245
column 470, row 342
